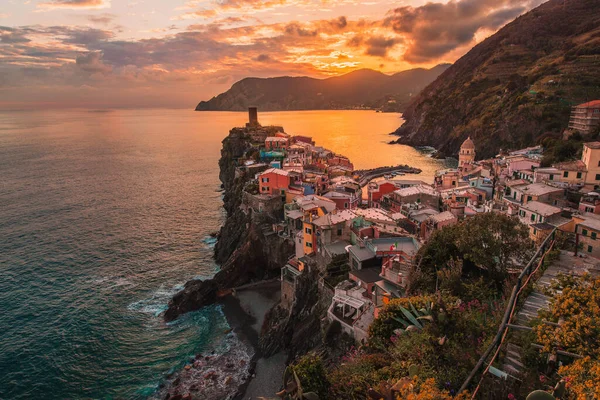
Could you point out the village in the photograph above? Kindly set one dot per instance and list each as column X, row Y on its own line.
column 363, row 239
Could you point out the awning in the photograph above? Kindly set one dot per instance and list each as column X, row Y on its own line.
column 351, row 301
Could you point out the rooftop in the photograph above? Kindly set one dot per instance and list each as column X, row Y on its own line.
column 374, row 214
column 576, row 165
column 367, row 275
column 538, row 189
column 362, row 253
column 543, row 226
column 468, row 144
column 591, row 221
column 590, row 104
column 541, row 208
column 276, row 139
column 334, row 218
column 442, row 217
column 275, row 171
column 592, row 145
column 417, row 189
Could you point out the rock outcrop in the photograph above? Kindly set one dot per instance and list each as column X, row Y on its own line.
column 246, row 249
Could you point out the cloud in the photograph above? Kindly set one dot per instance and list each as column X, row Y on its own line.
column 207, row 56
column 92, row 62
column 102, row 19
column 436, row 29
column 379, row 46
column 74, row 4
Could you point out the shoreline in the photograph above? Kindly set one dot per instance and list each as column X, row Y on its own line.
column 239, row 372
column 245, row 312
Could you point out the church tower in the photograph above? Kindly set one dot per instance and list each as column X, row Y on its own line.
column 467, row 153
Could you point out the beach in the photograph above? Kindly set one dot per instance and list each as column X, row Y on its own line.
column 235, row 369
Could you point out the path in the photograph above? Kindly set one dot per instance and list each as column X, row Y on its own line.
column 566, row 264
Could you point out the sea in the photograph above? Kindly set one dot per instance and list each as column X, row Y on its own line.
column 104, row 215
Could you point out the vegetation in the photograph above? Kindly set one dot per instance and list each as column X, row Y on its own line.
column 457, row 257
column 514, row 87
column 576, row 309
column 312, row 374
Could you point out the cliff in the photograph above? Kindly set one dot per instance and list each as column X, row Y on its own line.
column 514, row 86
column 362, row 88
column 245, row 249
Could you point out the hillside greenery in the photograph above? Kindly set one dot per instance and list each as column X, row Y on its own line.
column 515, row 86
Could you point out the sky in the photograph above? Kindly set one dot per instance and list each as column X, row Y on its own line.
column 174, row 53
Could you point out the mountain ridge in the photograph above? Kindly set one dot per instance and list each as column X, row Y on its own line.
column 516, row 86
column 360, row 88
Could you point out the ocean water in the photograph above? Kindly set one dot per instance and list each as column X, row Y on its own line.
column 104, row 215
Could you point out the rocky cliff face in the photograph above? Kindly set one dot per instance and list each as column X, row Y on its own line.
column 515, row 86
column 299, row 329
column 244, row 251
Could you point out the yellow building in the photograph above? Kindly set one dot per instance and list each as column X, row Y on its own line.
column 466, row 155
column 591, row 159
column 309, row 234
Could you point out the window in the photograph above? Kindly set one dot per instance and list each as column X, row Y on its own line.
column 308, row 230
column 584, row 232
column 551, row 177
column 529, row 198
column 345, row 205
column 566, row 174
column 339, row 232
column 309, row 244
column 579, row 175
column 593, row 235
column 521, row 213
column 534, row 231
column 532, row 217
column 541, row 219
column 598, row 177
column 590, row 248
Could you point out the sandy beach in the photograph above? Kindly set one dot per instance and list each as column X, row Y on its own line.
column 235, row 369
column 245, row 312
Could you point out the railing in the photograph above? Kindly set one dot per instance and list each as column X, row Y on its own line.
column 510, row 308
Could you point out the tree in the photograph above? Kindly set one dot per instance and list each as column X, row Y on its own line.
column 485, row 245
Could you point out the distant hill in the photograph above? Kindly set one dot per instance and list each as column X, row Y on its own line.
column 515, row 86
column 362, row 88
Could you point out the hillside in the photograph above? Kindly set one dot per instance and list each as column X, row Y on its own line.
column 362, row 88
column 515, row 86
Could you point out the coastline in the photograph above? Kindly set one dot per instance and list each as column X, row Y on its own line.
column 239, row 371
column 245, row 312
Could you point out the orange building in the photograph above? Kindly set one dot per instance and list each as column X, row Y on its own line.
column 273, row 181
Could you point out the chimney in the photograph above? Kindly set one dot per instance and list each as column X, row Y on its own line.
column 253, row 117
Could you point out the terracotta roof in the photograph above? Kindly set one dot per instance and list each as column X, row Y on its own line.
column 590, row 104
column 275, row 171
column 577, row 165
column 592, row 145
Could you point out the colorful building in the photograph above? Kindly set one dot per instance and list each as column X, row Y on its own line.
column 585, row 117
column 273, row 181
column 591, row 159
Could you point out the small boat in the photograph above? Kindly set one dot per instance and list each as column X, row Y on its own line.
column 388, row 176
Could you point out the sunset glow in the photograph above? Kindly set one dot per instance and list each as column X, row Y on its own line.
column 139, row 53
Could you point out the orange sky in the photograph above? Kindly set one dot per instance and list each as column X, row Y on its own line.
column 156, row 53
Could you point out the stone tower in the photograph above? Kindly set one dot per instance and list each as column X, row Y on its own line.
column 253, row 117
column 467, row 153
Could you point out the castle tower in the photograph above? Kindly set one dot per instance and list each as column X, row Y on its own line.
column 253, row 117
column 467, row 153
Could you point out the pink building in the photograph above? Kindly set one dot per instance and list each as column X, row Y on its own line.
column 277, row 143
